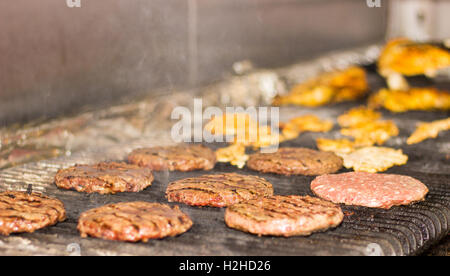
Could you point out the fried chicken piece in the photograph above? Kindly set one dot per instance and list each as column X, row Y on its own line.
column 244, row 129
column 259, row 138
column 409, row 58
column 412, row 99
column 372, row 132
column 234, row 154
column 331, row 87
column 374, row 159
column 232, row 124
column 341, row 147
column 358, row 115
column 428, row 130
column 297, row 125
column 338, row 146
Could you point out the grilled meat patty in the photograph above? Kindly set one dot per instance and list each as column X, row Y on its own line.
column 133, row 222
column 218, row 190
column 104, row 178
column 283, row 215
column 369, row 189
column 295, row 161
column 22, row 212
column 174, row 158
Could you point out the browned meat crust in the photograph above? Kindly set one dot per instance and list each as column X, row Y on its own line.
column 133, row 222
column 369, row 189
column 218, row 190
column 283, row 215
column 22, row 212
column 174, row 158
column 104, row 178
column 293, row 161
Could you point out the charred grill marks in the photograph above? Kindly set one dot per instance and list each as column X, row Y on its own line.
column 218, row 190
column 283, row 215
column 295, row 161
column 23, row 212
column 174, row 158
column 148, row 221
column 104, row 178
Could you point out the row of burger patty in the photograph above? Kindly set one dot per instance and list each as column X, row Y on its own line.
column 251, row 204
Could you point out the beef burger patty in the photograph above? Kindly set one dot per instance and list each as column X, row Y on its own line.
column 283, row 215
column 134, row 221
column 295, row 161
column 174, row 158
column 104, row 178
column 369, row 189
column 218, row 190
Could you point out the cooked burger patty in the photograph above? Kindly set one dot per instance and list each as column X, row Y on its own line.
column 174, row 158
column 104, row 178
column 22, row 212
column 293, row 161
column 218, row 190
column 133, row 222
column 369, row 189
column 283, row 215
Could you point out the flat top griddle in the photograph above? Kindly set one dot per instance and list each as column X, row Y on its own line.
column 404, row 230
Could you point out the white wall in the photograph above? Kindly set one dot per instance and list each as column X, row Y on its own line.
column 442, row 19
column 419, row 19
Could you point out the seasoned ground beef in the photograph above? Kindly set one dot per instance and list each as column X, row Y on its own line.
column 369, row 189
column 218, row 190
column 133, row 222
column 283, row 215
column 104, row 178
column 174, row 158
column 295, row 161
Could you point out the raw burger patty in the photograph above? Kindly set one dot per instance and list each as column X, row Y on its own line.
column 283, row 215
column 293, row 161
column 22, row 212
column 133, row 222
column 218, row 190
column 104, row 178
column 174, row 158
column 369, row 189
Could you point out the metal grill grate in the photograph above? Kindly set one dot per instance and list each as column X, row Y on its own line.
column 402, row 230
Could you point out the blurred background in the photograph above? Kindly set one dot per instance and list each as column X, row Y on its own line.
column 55, row 59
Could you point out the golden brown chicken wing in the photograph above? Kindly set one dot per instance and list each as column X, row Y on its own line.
column 412, row 99
column 332, row 87
column 408, row 58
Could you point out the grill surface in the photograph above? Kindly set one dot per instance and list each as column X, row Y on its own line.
column 405, row 230
column 402, row 230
